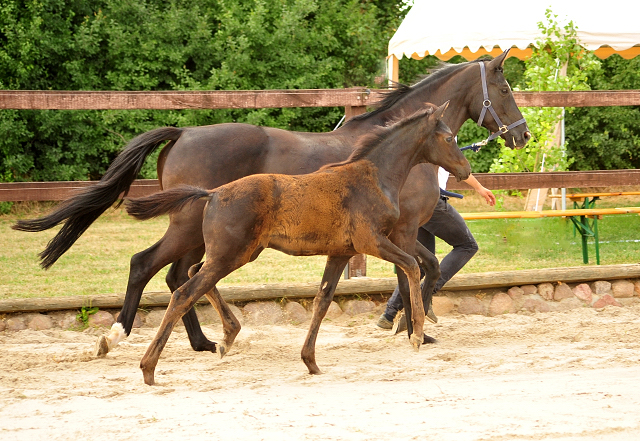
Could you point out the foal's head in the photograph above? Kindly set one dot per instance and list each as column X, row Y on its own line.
column 440, row 147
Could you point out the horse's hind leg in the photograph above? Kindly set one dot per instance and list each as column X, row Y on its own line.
column 183, row 235
column 332, row 272
column 178, row 276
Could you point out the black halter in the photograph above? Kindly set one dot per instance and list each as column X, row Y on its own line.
column 486, row 105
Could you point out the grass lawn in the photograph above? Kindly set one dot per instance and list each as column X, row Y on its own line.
column 99, row 262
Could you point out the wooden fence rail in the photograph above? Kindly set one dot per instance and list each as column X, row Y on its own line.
column 254, row 99
column 58, row 191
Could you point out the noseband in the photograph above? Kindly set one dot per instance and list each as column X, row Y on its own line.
column 486, row 105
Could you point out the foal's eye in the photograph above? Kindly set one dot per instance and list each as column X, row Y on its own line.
column 449, row 139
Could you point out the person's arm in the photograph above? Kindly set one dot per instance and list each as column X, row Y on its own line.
column 482, row 191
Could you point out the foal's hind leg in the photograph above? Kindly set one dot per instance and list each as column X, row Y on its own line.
column 230, row 324
column 332, row 272
column 178, row 276
column 182, row 300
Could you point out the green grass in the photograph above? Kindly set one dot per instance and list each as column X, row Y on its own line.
column 99, row 262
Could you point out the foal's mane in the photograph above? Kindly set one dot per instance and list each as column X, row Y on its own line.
column 400, row 90
column 366, row 143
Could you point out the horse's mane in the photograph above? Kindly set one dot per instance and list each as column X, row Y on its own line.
column 366, row 143
column 399, row 91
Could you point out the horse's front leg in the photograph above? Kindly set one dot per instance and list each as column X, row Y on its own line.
column 332, row 272
column 181, row 301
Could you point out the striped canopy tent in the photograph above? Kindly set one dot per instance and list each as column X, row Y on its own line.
column 475, row 28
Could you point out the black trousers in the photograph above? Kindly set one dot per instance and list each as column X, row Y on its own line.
column 447, row 224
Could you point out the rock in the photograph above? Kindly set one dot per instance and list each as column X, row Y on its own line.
column 583, row 292
column 237, row 312
column 295, row 313
column 15, row 324
column 264, row 313
column 442, row 305
column 38, row 322
column 529, row 290
column 567, row 304
column 471, row 305
column 533, row 304
column 562, row 291
column 101, row 318
column 154, row 318
column 622, row 289
column 137, row 320
column 334, row 311
column 355, row 307
column 207, row 315
column 501, row 303
column 601, row 287
column 606, row 300
column 517, row 295
column 546, row 291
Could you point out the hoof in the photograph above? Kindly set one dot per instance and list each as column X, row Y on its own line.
column 148, row 378
column 431, row 315
column 102, row 347
column 428, row 340
column 415, row 342
column 209, row 346
column 223, row 351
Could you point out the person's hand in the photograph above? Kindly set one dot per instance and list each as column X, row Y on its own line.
column 487, row 195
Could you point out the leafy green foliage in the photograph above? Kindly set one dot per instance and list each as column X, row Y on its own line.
column 84, row 313
column 558, row 62
column 604, row 138
column 176, row 45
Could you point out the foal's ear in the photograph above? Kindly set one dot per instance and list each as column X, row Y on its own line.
column 439, row 112
column 498, row 61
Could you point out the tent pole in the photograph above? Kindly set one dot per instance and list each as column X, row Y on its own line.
column 392, row 70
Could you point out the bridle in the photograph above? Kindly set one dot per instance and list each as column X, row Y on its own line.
column 486, row 105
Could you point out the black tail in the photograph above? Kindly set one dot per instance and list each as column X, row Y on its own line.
column 163, row 202
column 81, row 210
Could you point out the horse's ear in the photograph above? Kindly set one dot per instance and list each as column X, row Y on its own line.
column 439, row 112
column 498, row 61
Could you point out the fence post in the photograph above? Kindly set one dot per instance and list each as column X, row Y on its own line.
column 357, row 265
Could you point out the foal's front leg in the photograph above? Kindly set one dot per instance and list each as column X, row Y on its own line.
column 388, row 251
column 332, row 272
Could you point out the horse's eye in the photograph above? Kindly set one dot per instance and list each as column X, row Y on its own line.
column 505, row 91
column 449, row 139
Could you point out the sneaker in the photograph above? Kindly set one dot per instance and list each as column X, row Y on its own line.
column 400, row 324
column 384, row 323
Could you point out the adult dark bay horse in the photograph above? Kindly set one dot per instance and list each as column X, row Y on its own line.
column 211, row 156
column 339, row 211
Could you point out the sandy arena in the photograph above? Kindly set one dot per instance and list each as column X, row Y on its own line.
column 572, row 375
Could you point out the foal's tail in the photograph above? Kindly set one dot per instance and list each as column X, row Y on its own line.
column 81, row 210
column 164, row 202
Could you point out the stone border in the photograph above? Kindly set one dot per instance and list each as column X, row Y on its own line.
column 525, row 299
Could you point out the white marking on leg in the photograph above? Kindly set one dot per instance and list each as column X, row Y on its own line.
column 116, row 335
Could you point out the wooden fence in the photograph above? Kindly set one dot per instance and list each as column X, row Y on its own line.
column 354, row 100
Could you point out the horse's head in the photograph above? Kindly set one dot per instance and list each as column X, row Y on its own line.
column 441, row 147
column 497, row 110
